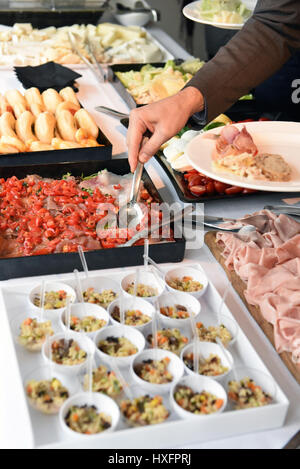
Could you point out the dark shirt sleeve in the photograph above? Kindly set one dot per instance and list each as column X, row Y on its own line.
column 266, row 42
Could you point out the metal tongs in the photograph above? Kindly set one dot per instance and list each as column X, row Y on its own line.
column 284, row 209
column 94, row 66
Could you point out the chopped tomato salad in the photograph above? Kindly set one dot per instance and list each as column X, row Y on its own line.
column 42, row 216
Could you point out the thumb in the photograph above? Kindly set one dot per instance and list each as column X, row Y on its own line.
column 150, row 146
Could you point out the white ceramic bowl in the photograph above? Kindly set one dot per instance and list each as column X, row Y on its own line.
column 15, row 325
column 134, row 18
column 132, row 304
column 146, row 278
column 198, row 384
column 205, row 349
column 175, row 367
column 262, row 379
column 135, row 392
column 229, row 323
column 84, row 343
column 178, row 298
column 130, row 333
column 103, row 403
column 180, row 272
column 87, row 309
column 99, row 284
column 46, row 373
column 51, row 286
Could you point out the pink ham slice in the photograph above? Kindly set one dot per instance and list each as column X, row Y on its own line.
column 234, row 142
column 271, row 271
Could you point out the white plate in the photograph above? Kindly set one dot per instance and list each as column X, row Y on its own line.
column 190, row 11
column 281, row 138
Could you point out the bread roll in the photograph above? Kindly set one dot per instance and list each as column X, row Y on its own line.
column 86, row 122
column 7, row 125
column 51, row 100
column 16, row 101
column 44, row 127
column 67, row 106
column 68, row 94
column 24, row 127
column 66, row 126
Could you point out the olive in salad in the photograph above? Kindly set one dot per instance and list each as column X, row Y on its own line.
column 144, row 410
column 87, row 420
column 246, row 394
column 211, row 366
column 33, row 334
column 104, row 381
column 67, row 352
column 200, row 403
column 47, row 396
column 117, row 347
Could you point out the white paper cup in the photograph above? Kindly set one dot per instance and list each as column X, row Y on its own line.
column 198, row 384
column 178, row 298
column 205, row 349
column 87, row 309
column 130, row 333
column 180, row 272
column 136, row 392
column 145, row 278
column 46, row 373
column 103, row 403
column 262, row 379
column 51, row 286
column 15, row 325
column 229, row 323
column 175, row 367
column 134, row 303
column 84, row 343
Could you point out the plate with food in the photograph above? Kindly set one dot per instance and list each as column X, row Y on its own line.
column 225, row 14
column 262, row 156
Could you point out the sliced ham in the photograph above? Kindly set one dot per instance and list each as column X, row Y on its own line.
column 233, row 142
column 270, row 267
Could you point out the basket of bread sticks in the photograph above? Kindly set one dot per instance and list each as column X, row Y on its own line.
column 34, row 124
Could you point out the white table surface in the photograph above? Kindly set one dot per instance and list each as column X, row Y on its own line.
column 15, row 435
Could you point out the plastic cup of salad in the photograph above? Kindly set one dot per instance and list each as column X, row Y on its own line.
column 56, row 294
column 176, row 309
column 249, row 388
column 47, row 390
column 86, row 318
column 149, row 288
column 68, row 352
column 100, row 290
column 30, row 332
column 88, row 415
column 155, row 370
column 224, row 328
column 138, row 313
column 105, row 381
column 197, row 397
column 170, row 339
column 119, row 344
column 216, row 364
column 186, row 280
column 143, row 409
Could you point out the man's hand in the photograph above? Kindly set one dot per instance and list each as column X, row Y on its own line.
column 163, row 119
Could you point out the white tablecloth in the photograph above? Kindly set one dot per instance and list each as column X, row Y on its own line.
column 12, row 432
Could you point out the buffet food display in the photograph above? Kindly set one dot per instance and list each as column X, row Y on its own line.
column 152, row 348
column 162, row 390
column 24, row 45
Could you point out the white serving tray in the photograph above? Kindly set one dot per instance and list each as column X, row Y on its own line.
column 45, row 431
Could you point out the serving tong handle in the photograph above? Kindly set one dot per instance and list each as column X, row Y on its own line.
column 112, row 112
column 286, row 210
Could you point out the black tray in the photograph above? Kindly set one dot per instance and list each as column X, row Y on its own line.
column 249, row 107
column 98, row 259
column 61, row 156
column 44, row 18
